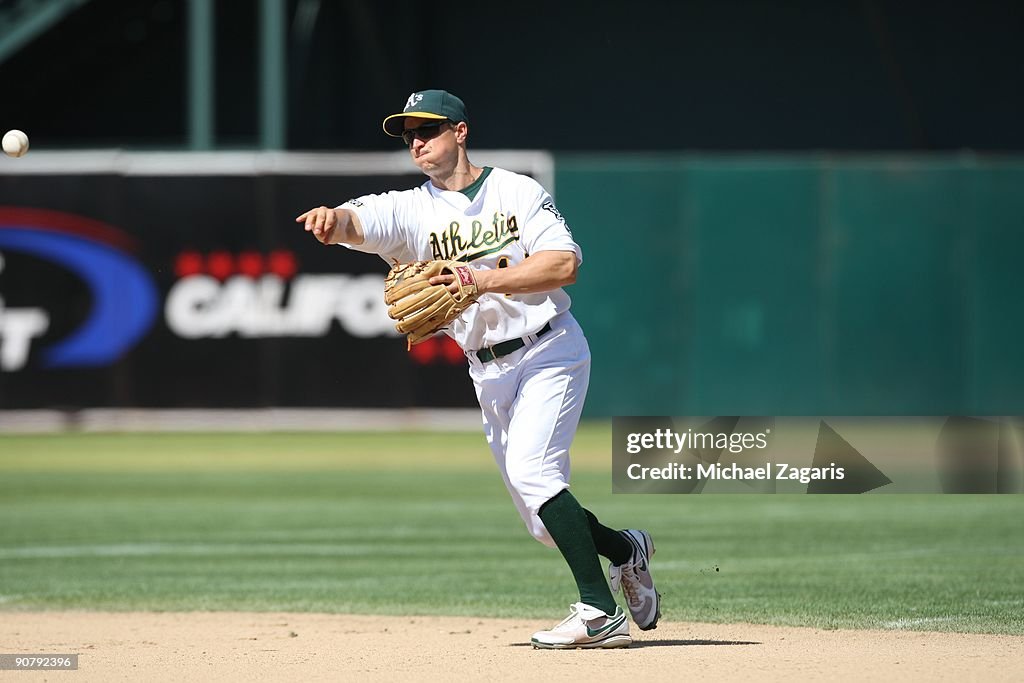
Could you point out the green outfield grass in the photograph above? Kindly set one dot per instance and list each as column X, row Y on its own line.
column 361, row 523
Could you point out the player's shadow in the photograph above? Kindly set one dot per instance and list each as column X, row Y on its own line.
column 672, row 642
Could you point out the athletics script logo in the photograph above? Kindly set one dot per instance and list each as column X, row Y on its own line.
column 459, row 243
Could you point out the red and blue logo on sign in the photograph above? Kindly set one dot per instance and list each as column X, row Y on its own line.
column 124, row 298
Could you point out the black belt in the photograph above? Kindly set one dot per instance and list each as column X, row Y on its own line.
column 507, row 347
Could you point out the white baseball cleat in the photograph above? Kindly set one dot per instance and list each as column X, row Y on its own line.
column 635, row 578
column 586, row 627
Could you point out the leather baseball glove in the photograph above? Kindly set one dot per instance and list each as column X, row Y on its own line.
column 421, row 308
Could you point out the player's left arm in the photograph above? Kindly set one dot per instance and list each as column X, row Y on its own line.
column 541, row 272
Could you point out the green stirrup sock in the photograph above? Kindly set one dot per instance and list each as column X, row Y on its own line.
column 609, row 542
column 569, row 528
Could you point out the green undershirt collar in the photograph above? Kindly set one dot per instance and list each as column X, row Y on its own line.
column 472, row 190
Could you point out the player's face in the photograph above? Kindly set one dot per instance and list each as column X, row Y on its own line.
column 431, row 143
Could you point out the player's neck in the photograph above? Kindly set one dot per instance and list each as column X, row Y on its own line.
column 459, row 178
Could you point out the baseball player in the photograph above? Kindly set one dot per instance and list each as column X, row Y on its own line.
column 527, row 356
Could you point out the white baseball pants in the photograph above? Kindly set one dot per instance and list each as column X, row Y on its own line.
column 531, row 401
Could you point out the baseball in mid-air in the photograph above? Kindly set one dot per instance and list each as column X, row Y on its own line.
column 15, row 143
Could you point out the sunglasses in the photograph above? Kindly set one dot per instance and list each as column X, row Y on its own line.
column 425, row 131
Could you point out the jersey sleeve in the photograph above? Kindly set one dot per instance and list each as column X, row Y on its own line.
column 544, row 228
column 382, row 217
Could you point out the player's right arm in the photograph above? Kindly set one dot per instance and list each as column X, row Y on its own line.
column 333, row 226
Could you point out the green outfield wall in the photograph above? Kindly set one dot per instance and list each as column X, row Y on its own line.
column 788, row 285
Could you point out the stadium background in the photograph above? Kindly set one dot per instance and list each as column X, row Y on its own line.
column 793, row 209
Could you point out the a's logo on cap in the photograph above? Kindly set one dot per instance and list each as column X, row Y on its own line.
column 413, row 100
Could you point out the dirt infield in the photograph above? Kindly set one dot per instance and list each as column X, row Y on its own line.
column 268, row 646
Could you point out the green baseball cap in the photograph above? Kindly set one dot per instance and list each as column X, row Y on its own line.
column 427, row 104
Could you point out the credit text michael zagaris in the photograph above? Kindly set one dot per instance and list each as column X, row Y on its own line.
column 718, row 471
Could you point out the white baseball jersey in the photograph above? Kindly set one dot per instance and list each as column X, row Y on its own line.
column 510, row 217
